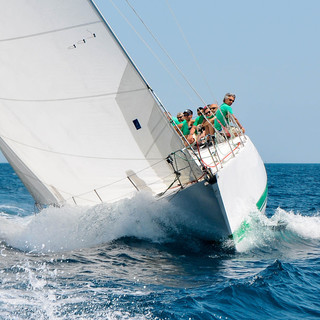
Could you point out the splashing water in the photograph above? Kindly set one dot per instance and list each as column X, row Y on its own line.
column 281, row 231
column 68, row 228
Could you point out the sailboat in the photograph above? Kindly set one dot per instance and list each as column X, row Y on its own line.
column 81, row 126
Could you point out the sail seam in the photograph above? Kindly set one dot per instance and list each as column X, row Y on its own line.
column 80, row 196
column 74, row 98
column 77, row 155
column 48, row 32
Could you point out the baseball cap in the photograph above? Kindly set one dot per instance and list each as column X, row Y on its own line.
column 188, row 112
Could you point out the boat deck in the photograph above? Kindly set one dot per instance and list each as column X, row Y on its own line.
column 217, row 155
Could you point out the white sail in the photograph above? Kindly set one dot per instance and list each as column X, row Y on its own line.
column 78, row 123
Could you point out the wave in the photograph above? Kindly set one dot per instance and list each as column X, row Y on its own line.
column 273, row 291
column 68, row 228
column 71, row 228
column 12, row 210
column 283, row 231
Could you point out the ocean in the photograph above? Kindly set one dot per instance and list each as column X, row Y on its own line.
column 126, row 261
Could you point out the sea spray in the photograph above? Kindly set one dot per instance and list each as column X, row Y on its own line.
column 69, row 228
column 281, row 231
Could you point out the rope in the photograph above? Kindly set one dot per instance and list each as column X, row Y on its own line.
column 166, row 53
column 189, row 183
column 215, row 166
column 112, row 183
column 78, row 155
column 74, row 98
column 152, row 52
column 190, row 49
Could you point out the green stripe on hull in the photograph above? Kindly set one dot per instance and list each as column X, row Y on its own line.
column 263, row 199
column 240, row 233
column 244, row 228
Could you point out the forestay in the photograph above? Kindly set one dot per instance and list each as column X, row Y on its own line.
column 78, row 122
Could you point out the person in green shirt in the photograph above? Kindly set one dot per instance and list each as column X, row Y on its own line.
column 208, row 123
column 199, row 119
column 180, row 117
column 222, row 114
column 197, row 128
column 175, row 120
column 186, row 125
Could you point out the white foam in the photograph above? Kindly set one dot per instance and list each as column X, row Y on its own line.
column 3, row 206
column 307, row 227
column 283, row 226
column 68, row 228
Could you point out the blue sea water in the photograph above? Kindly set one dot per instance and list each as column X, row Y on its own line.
column 125, row 261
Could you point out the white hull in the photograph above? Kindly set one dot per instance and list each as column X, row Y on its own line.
column 217, row 210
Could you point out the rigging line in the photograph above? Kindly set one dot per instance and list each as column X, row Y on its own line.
column 75, row 98
column 117, row 181
column 153, row 53
column 149, row 184
column 78, row 155
column 165, row 191
column 167, row 54
column 108, row 201
column 50, row 31
column 179, row 190
column 120, row 180
column 98, row 188
column 83, row 197
column 190, row 49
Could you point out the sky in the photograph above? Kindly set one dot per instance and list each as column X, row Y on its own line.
column 266, row 52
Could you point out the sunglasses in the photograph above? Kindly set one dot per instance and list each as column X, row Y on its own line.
column 180, row 117
column 207, row 112
column 231, row 100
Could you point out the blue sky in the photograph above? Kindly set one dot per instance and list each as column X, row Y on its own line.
column 266, row 52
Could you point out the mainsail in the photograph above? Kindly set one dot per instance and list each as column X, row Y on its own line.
column 78, row 122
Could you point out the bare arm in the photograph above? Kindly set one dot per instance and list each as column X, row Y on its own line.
column 238, row 123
